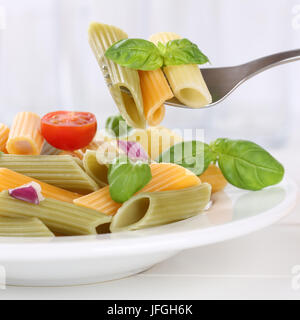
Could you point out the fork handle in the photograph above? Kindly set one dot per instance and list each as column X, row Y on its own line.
column 256, row 66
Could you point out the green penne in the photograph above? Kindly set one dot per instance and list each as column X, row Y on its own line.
column 23, row 227
column 65, row 172
column 95, row 170
column 60, row 217
column 123, row 83
column 158, row 208
column 49, row 150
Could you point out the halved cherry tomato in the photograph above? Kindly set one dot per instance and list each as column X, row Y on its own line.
column 66, row 130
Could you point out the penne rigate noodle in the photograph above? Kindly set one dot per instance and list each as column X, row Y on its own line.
column 186, row 81
column 23, row 227
column 10, row 180
column 158, row 208
column 119, row 80
column 161, row 139
column 154, row 140
column 48, row 150
column 64, row 172
column 94, row 169
column 165, row 177
column 61, row 217
column 214, row 176
column 25, row 135
column 4, row 133
column 76, row 154
column 155, row 91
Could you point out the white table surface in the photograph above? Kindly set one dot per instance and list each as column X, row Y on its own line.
column 257, row 266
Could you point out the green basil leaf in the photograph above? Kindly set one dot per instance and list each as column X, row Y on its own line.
column 117, row 127
column 136, row 54
column 125, row 178
column 246, row 165
column 183, row 51
column 162, row 48
column 193, row 155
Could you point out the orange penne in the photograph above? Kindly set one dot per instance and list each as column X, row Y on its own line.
column 10, row 179
column 165, row 176
column 25, row 135
column 214, row 176
column 4, row 132
column 155, row 91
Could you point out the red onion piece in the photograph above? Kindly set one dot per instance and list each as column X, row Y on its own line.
column 30, row 192
column 133, row 150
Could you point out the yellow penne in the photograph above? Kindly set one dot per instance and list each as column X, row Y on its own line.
column 10, row 179
column 165, row 177
column 155, row 91
column 154, row 140
column 123, row 83
column 186, row 81
column 160, row 139
column 25, row 135
column 4, row 133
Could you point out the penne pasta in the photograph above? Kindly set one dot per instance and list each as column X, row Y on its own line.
column 25, row 135
column 154, row 140
column 214, row 176
column 186, row 81
column 4, row 133
column 10, row 179
column 48, row 150
column 120, row 80
column 94, row 169
column 61, row 217
column 160, row 139
column 155, row 91
column 158, row 208
column 165, row 177
column 23, row 227
column 65, row 172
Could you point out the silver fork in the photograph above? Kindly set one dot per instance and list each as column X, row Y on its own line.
column 221, row 82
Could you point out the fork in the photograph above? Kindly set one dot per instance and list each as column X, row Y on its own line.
column 221, row 82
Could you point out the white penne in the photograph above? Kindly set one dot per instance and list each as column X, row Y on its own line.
column 186, row 81
column 94, row 169
column 119, row 80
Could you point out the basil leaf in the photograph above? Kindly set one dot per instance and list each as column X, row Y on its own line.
column 246, row 165
column 193, row 155
column 183, row 51
column 162, row 48
column 136, row 54
column 117, row 127
column 125, row 178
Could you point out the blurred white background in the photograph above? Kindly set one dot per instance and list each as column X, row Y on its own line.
column 46, row 62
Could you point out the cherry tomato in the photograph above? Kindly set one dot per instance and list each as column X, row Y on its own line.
column 69, row 131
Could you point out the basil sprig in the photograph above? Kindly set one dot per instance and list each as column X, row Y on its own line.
column 247, row 165
column 244, row 164
column 117, row 127
column 126, row 177
column 141, row 54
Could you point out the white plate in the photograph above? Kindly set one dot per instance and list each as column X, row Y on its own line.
column 89, row 259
